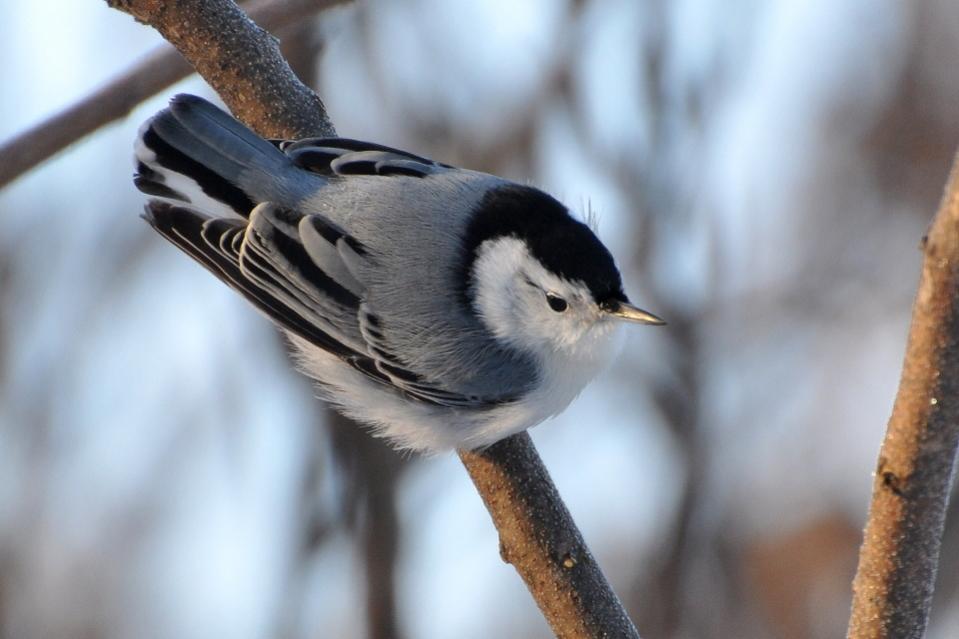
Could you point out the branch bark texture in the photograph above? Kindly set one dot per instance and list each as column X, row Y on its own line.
column 539, row 537
column 537, row 533
column 241, row 61
column 893, row 588
column 116, row 99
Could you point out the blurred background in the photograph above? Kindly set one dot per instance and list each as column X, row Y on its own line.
column 763, row 172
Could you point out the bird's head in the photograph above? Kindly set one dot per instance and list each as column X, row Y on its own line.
column 541, row 280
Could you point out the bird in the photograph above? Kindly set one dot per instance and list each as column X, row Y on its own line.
column 443, row 308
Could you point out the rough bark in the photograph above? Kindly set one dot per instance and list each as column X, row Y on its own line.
column 240, row 60
column 893, row 588
column 540, row 539
column 537, row 533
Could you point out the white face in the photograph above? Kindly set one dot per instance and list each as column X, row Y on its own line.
column 534, row 310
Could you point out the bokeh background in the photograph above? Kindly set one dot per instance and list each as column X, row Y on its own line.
column 763, row 172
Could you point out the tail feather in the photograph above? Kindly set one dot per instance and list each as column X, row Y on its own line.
column 195, row 153
column 231, row 140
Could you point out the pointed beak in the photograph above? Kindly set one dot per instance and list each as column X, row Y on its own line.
column 628, row 312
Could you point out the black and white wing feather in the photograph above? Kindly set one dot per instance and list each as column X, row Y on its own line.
column 297, row 270
column 343, row 156
column 230, row 200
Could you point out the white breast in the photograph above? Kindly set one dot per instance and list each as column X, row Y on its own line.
column 432, row 429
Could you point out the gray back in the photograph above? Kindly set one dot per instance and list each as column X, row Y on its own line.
column 412, row 228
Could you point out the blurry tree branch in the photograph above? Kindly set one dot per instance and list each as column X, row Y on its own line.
column 370, row 474
column 537, row 533
column 893, row 588
column 158, row 70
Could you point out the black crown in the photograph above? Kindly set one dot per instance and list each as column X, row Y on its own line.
column 562, row 244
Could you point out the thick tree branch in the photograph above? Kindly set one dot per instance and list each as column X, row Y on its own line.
column 897, row 563
column 113, row 101
column 539, row 537
column 241, row 61
column 537, row 534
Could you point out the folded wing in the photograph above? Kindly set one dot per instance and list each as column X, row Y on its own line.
column 300, row 270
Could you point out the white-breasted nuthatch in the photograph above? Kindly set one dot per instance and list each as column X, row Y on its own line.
column 445, row 308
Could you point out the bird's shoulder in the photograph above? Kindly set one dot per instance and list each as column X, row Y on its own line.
column 341, row 157
column 418, row 326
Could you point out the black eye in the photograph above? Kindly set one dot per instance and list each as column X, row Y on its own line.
column 556, row 303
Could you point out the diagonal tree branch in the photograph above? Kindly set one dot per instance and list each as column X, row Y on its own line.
column 539, row 537
column 893, row 588
column 111, row 102
column 537, row 533
column 240, row 60
column 155, row 72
